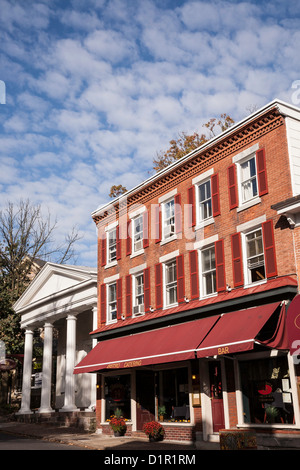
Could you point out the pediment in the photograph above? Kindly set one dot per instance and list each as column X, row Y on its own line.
column 52, row 280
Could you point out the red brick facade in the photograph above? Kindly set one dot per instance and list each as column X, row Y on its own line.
column 264, row 133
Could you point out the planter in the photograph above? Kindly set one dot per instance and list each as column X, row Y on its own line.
column 237, row 439
column 155, row 438
column 119, row 433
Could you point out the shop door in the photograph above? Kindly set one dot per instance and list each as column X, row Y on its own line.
column 145, row 398
column 216, row 396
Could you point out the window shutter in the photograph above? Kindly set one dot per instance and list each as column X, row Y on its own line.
column 192, row 207
column 215, row 195
column 180, row 278
column 145, row 230
column 232, row 186
column 157, row 224
column 178, row 219
column 119, row 298
column 269, row 248
column 118, row 242
column 194, row 274
column 158, row 286
column 220, row 265
column 147, row 301
column 103, row 252
column 103, row 303
column 128, row 285
column 237, row 261
column 261, row 172
column 128, row 239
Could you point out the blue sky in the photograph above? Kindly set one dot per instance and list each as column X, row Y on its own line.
column 94, row 88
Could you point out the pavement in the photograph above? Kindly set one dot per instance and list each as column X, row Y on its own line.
column 95, row 441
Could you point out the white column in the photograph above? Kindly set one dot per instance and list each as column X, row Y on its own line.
column 69, row 404
column 27, row 370
column 47, row 370
column 93, row 377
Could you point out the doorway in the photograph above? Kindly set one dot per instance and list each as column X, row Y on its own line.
column 216, row 396
column 145, row 398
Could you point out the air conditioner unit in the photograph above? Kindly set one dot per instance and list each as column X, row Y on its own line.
column 138, row 245
column 138, row 309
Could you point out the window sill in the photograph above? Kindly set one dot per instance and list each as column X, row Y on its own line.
column 169, row 239
column 254, row 284
column 111, row 264
column 137, row 253
column 248, row 204
column 111, row 322
column 170, row 306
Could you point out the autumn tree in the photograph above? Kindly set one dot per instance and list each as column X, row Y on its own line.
column 117, row 190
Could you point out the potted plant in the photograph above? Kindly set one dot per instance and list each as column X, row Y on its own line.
column 161, row 412
column 117, row 423
column 154, row 431
column 271, row 414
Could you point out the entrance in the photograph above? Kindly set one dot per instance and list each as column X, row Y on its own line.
column 145, row 393
column 216, row 396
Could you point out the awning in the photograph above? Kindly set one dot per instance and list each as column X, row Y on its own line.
column 239, row 331
column 169, row 344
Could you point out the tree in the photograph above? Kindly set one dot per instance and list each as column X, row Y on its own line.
column 25, row 236
column 117, row 190
column 186, row 143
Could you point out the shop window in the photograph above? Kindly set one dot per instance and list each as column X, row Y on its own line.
column 117, row 395
column 266, row 391
column 174, row 394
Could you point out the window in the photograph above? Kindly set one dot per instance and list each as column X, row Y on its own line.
column 169, row 219
column 266, row 391
column 255, row 260
column 137, row 224
column 205, row 204
column 112, row 245
column 208, row 271
column 138, row 300
column 173, row 394
column 117, row 395
column 112, row 302
column 170, row 283
column 248, row 180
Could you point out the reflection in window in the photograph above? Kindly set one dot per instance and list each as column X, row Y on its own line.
column 174, row 394
column 117, row 395
column 266, row 388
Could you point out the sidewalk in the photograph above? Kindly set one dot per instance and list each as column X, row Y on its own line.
column 94, row 441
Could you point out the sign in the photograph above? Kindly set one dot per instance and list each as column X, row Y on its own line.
column 7, row 364
column 293, row 328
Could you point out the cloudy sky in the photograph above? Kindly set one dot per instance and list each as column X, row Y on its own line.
column 94, row 88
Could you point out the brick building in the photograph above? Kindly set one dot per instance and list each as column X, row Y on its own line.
column 197, row 269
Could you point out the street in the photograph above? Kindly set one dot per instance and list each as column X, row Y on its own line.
column 11, row 442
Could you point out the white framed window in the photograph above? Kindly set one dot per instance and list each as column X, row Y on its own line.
column 112, row 245
column 111, row 302
column 170, row 283
column 168, row 213
column 138, row 294
column 208, row 283
column 137, row 234
column 204, row 201
column 248, row 180
column 253, row 248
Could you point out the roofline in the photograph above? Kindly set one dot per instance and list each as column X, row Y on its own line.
column 284, row 108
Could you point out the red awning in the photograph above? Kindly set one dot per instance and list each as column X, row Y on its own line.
column 238, row 331
column 168, row 344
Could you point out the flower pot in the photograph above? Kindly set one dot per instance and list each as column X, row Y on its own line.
column 119, row 433
column 155, row 438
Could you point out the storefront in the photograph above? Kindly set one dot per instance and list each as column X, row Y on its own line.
column 222, row 371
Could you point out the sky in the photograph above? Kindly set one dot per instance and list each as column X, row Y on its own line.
column 95, row 88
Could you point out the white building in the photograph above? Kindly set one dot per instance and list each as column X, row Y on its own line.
column 65, row 298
